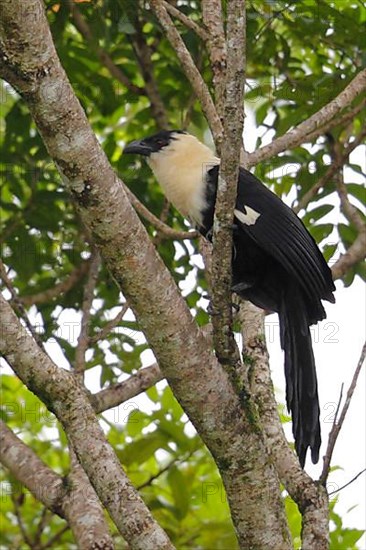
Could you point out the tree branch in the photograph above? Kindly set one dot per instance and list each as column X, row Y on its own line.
column 19, row 305
column 83, row 338
column 190, row 69
column 349, row 211
column 92, row 525
column 354, row 254
column 357, row 251
column 348, row 483
column 187, row 22
column 339, row 120
column 216, row 45
column 158, row 224
column 107, row 329
column 221, row 274
column 31, row 65
column 336, row 165
column 60, row 288
column 299, row 134
column 337, row 426
column 68, row 400
column 311, row 499
column 76, row 504
column 121, row 392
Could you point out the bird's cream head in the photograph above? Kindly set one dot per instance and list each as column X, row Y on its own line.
column 180, row 163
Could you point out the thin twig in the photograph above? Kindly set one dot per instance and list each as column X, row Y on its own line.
column 216, row 44
column 224, row 342
column 44, row 520
column 298, row 135
column 21, row 525
column 175, row 460
column 119, row 393
column 189, row 23
column 158, row 224
column 332, row 170
column 83, row 339
column 103, row 333
column 60, row 288
column 19, row 306
column 350, row 211
column 157, row 475
column 338, row 405
column 143, row 53
column 336, row 121
column 347, row 484
column 192, row 73
column 336, row 428
column 50, row 543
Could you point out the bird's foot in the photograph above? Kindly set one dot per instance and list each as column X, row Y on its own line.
column 212, row 311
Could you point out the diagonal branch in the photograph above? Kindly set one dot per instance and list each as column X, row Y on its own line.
column 68, row 400
column 107, row 329
column 119, row 393
column 354, row 254
column 339, row 120
column 336, row 165
column 77, row 505
column 337, row 426
column 60, row 288
column 225, row 346
column 158, row 224
column 192, row 73
column 31, row 65
column 310, row 498
column 299, row 134
column 350, row 211
column 189, row 23
column 19, row 305
column 216, row 44
column 83, row 338
column 94, row 530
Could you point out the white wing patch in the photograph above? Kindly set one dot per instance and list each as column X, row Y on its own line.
column 249, row 217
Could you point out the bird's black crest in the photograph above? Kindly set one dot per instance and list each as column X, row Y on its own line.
column 152, row 144
column 161, row 139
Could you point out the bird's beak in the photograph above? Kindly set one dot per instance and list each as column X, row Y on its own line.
column 138, row 147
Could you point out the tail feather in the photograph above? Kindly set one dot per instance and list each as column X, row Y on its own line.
column 301, row 382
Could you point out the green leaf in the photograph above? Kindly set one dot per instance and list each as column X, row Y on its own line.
column 317, row 213
column 321, row 231
column 141, row 450
column 178, row 485
column 329, row 250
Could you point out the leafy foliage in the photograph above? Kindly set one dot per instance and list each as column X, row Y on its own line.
column 302, row 54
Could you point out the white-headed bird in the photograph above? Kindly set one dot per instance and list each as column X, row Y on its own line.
column 276, row 263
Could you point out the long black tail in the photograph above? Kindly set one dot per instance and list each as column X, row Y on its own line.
column 301, row 383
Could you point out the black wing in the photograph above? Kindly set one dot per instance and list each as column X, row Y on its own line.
column 277, row 230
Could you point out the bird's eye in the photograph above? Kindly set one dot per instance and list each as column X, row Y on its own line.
column 160, row 142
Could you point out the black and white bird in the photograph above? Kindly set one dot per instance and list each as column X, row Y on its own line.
column 276, row 265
